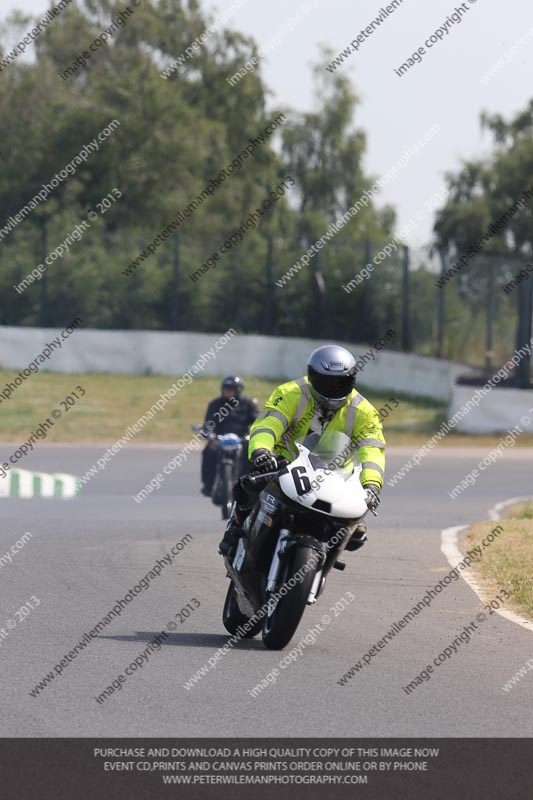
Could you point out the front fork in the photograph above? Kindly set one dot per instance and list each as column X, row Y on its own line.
column 275, row 565
column 287, row 540
column 315, row 588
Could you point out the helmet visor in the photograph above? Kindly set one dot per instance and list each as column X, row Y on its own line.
column 332, row 386
column 234, row 385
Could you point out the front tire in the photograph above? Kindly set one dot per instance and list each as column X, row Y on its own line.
column 281, row 625
column 227, row 480
column 233, row 618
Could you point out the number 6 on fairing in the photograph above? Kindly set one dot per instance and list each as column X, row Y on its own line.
column 302, row 483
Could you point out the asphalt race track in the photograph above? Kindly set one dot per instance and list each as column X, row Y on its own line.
column 87, row 552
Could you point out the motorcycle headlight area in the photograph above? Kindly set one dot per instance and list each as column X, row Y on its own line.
column 229, row 441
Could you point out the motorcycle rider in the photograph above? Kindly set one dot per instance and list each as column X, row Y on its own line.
column 240, row 412
column 325, row 399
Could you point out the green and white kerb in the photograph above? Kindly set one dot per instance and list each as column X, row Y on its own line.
column 23, row 483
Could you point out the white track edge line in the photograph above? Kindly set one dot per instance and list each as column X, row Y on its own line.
column 450, row 548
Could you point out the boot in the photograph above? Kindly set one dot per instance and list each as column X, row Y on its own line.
column 232, row 534
column 358, row 537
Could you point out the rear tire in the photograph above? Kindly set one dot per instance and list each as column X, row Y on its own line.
column 280, row 627
column 232, row 616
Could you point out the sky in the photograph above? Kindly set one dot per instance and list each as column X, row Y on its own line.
column 443, row 88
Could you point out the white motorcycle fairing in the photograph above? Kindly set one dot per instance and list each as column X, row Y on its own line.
column 324, row 488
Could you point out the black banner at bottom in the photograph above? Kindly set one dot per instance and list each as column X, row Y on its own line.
column 57, row 769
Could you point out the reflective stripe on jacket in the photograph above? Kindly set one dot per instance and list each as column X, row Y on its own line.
column 290, row 411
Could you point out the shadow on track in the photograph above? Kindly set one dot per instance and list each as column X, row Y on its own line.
column 189, row 640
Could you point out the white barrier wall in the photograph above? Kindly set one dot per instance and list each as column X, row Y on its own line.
column 498, row 412
column 169, row 353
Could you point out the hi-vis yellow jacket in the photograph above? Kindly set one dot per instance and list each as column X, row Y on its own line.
column 291, row 411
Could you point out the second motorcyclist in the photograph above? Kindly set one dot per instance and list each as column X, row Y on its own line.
column 232, row 412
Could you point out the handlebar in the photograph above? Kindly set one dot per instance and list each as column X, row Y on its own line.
column 209, row 434
column 262, row 475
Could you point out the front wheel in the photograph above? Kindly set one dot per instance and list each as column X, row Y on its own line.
column 280, row 626
column 233, row 618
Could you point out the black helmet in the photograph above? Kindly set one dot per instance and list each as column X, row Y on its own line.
column 234, row 383
column 331, row 373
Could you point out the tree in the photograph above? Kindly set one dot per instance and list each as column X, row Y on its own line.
column 483, row 193
column 324, row 152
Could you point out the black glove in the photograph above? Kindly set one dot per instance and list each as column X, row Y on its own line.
column 372, row 496
column 264, row 461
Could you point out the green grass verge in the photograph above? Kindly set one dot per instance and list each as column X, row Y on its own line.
column 520, row 511
column 508, row 562
column 112, row 402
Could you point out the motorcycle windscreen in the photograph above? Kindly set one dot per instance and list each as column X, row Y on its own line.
column 332, row 450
